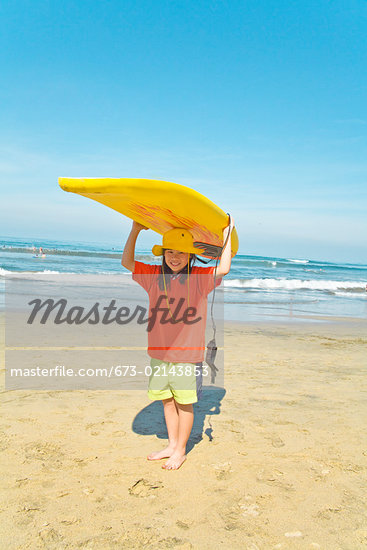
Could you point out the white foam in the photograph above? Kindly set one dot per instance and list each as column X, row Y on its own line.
column 8, row 273
column 350, row 294
column 298, row 261
column 295, row 284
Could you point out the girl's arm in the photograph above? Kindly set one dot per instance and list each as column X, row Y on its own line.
column 128, row 255
column 226, row 258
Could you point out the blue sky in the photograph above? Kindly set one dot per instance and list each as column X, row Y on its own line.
column 259, row 105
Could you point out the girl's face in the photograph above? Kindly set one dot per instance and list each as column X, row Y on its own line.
column 176, row 260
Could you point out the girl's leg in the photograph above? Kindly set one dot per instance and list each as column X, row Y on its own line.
column 172, row 422
column 185, row 422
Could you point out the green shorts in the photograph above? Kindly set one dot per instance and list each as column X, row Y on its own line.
column 182, row 381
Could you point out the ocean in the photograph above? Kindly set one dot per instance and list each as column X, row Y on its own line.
column 257, row 288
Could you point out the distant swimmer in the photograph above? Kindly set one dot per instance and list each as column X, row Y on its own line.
column 41, row 253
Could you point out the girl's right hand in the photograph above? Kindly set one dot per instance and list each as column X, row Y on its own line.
column 229, row 228
column 138, row 226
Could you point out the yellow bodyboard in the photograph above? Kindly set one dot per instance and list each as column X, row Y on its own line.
column 161, row 206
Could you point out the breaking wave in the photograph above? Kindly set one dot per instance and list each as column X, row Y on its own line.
column 296, row 284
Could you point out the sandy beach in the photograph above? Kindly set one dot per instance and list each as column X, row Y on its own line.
column 277, row 459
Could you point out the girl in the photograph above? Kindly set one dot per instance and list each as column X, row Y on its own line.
column 176, row 343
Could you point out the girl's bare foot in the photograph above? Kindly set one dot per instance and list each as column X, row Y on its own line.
column 175, row 461
column 165, row 453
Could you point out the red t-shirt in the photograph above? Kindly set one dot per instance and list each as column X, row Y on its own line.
column 182, row 341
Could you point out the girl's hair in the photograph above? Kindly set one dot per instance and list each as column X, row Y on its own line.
column 168, row 272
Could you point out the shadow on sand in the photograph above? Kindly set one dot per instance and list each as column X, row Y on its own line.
column 150, row 420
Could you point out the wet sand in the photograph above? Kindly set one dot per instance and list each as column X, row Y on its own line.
column 277, row 460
